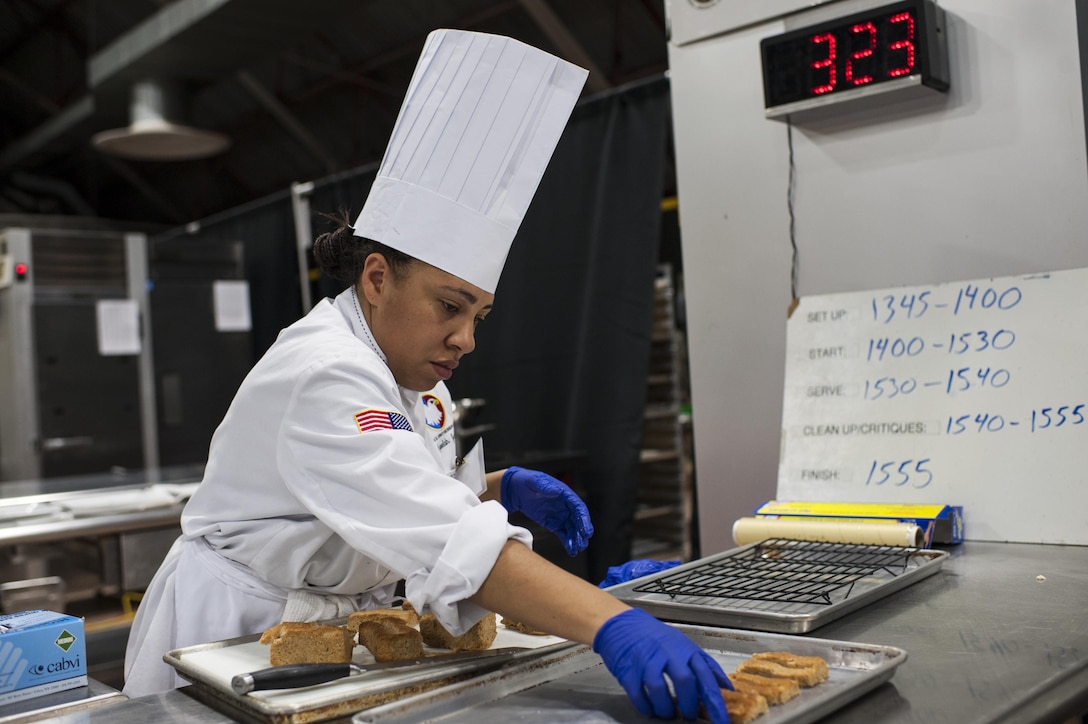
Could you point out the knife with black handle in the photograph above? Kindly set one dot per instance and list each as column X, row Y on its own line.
column 293, row 676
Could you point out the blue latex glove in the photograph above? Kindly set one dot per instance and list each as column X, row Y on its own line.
column 549, row 503
column 640, row 651
column 634, row 569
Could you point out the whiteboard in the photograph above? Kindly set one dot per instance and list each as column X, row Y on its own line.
column 969, row 393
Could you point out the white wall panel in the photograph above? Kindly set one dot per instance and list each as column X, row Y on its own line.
column 990, row 180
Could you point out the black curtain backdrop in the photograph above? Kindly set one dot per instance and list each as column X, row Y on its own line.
column 562, row 360
column 266, row 231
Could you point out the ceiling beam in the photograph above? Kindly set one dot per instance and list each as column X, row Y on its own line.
column 659, row 21
column 168, row 209
column 52, row 18
column 565, row 42
column 47, row 132
column 333, row 75
column 411, row 48
column 359, row 74
column 44, row 104
column 286, row 119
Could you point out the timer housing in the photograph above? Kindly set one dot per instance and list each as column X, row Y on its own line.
column 896, row 51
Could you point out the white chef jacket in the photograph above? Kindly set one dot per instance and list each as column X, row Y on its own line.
column 324, row 477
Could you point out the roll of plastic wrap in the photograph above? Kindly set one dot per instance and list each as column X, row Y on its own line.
column 885, row 533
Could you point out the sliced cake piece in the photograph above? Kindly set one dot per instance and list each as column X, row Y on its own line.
column 774, row 690
column 477, row 638
column 294, row 642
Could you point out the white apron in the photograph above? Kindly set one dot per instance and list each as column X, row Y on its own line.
column 347, row 484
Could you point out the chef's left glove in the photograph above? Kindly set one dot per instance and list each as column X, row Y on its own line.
column 641, row 652
column 549, row 503
column 634, row 569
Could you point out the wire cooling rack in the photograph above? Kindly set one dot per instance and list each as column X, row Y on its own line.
column 785, row 570
column 779, row 585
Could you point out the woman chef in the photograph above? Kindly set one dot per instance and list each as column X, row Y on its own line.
column 333, row 474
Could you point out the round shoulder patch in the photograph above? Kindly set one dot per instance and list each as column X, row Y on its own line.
column 434, row 412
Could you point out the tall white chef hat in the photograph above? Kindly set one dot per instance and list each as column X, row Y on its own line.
column 477, row 128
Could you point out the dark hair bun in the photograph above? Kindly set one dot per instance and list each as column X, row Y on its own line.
column 341, row 254
column 335, row 253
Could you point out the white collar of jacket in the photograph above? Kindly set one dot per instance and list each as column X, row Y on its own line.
column 348, row 304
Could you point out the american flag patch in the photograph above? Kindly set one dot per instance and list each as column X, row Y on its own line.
column 369, row 420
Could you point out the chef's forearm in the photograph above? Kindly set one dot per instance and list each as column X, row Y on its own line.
column 529, row 589
column 494, row 486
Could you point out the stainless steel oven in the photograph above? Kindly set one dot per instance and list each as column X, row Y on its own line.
column 76, row 388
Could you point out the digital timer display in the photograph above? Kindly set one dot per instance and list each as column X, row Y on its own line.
column 861, row 51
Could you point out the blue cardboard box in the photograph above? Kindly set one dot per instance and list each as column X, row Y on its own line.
column 40, row 652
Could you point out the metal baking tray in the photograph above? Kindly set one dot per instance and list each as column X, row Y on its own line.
column 210, row 667
column 574, row 685
column 783, row 586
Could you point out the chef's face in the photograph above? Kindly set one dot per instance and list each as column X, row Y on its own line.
column 423, row 318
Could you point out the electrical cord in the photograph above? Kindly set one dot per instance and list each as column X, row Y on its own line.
column 789, row 207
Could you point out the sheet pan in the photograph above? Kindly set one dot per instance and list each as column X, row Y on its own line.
column 210, row 667
column 573, row 685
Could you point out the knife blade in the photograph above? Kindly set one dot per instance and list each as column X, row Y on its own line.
column 293, row 676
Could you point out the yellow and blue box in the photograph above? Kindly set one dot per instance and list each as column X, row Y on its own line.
column 40, row 652
column 941, row 524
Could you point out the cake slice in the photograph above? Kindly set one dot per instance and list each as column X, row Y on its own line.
column 295, row 642
column 521, row 627
column 408, row 616
column 806, row 676
column 794, row 661
column 743, row 706
column 477, row 638
column 774, row 690
column 390, row 639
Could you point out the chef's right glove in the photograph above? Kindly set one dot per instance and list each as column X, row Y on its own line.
column 640, row 651
column 634, row 569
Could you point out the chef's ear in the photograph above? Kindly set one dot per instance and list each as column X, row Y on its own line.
column 376, row 274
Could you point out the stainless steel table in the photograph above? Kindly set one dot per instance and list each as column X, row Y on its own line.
column 101, row 536
column 173, row 707
column 987, row 641
column 56, row 491
column 76, row 702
